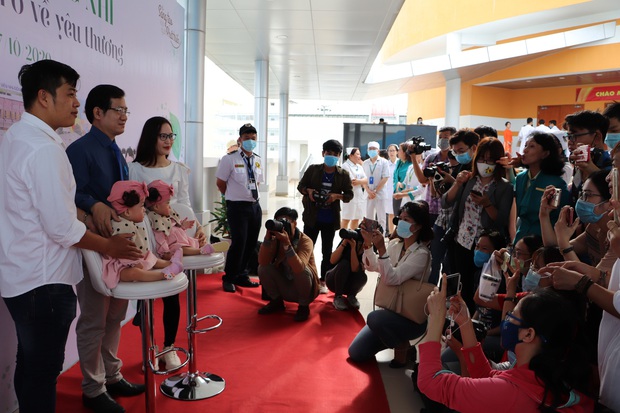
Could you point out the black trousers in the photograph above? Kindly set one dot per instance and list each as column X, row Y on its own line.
column 327, row 232
column 244, row 220
column 342, row 281
column 462, row 261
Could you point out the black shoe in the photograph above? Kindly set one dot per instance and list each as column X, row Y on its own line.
column 274, row 306
column 246, row 282
column 228, row 287
column 103, row 403
column 124, row 388
column 302, row 313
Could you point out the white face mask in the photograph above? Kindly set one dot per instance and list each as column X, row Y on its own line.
column 485, row 170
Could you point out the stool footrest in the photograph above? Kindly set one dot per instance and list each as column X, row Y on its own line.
column 204, row 330
column 172, row 370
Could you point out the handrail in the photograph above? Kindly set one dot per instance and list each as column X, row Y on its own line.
column 305, row 165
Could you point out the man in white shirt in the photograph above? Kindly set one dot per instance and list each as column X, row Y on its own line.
column 39, row 264
column 239, row 176
column 377, row 170
column 542, row 127
column 524, row 133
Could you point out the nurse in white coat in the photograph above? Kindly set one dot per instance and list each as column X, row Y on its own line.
column 353, row 211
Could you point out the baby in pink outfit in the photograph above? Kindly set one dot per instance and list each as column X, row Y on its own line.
column 170, row 229
column 127, row 199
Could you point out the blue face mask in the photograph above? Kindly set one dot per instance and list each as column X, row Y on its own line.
column 510, row 334
column 463, row 158
column 373, row 152
column 611, row 140
column 404, row 229
column 481, row 258
column 249, row 145
column 585, row 212
column 531, row 280
column 330, row 160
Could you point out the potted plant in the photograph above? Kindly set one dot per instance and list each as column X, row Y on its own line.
column 220, row 218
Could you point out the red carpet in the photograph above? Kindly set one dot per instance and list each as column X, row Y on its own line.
column 270, row 363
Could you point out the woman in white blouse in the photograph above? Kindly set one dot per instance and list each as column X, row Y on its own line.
column 353, row 211
column 404, row 258
column 152, row 163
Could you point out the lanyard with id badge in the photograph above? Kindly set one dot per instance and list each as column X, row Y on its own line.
column 252, row 187
column 371, row 178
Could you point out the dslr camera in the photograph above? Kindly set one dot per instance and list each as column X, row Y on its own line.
column 278, row 225
column 354, row 234
column 417, row 146
column 432, row 171
column 320, row 198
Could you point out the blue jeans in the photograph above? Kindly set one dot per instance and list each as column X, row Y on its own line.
column 383, row 329
column 42, row 319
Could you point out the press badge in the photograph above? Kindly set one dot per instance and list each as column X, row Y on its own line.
column 371, row 180
column 252, row 186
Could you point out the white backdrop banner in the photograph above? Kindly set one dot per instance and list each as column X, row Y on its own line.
column 136, row 45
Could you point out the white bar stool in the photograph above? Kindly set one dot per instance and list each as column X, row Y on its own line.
column 147, row 292
column 195, row 385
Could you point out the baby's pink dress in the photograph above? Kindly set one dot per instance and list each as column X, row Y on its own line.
column 169, row 235
column 112, row 266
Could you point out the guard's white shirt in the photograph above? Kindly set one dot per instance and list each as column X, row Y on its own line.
column 233, row 170
column 379, row 170
column 38, row 222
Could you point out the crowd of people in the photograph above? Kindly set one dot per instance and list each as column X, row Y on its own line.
column 534, row 237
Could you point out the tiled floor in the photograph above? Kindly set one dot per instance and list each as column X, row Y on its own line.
column 397, row 385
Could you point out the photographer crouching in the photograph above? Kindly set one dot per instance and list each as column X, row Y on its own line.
column 286, row 267
column 347, row 277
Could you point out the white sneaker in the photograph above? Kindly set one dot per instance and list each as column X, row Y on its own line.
column 353, row 301
column 323, row 288
column 171, row 359
column 340, row 303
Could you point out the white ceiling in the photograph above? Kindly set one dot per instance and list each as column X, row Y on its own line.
column 324, row 49
column 329, row 48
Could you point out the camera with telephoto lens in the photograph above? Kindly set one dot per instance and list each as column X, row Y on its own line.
column 321, row 197
column 417, row 146
column 278, row 225
column 354, row 234
column 432, row 171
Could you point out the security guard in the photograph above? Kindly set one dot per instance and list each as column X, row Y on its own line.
column 238, row 177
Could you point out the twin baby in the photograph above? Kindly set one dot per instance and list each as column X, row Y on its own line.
column 128, row 198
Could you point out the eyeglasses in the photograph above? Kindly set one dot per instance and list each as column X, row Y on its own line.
column 510, row 315
column 573, row 136
column 585, row 195
column 522, row 255
column 121, row 111
column 165, row 136
column 459, row 153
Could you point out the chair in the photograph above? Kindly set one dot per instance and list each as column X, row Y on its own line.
column 147, row 292
column 194, row 385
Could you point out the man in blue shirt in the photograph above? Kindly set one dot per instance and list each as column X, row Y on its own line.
column 97, row 164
